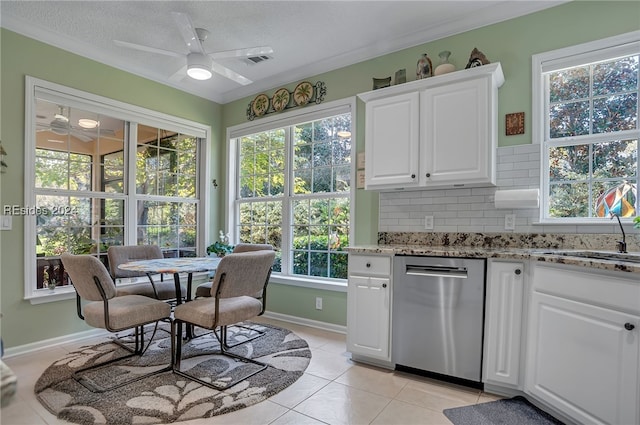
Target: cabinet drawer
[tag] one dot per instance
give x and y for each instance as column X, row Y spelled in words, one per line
column 370, row 265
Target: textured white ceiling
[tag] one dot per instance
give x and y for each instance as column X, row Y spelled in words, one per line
column 308, row 37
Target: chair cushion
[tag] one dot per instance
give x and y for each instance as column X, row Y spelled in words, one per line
column 201, row 312
column 126, row 312
column 82, row 270
column 8, row 384
column 123, row 254
column 204, row 290
column 166, row 290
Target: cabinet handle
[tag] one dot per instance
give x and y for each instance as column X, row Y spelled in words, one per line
column 384, row 285
column 629, row 326
column 428, row 174
column 413, row 176
column 518, row 271
column 368, row 264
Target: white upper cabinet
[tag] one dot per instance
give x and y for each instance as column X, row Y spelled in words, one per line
column 392, row 157
column 457, row 140
column 436, row 132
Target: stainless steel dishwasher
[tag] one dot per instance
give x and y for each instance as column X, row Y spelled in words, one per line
column 438, row 316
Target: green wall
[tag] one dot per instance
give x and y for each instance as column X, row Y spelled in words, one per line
column 512, row 43
column 22, row 322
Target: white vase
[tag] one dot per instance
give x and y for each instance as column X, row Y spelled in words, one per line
column 444, row 67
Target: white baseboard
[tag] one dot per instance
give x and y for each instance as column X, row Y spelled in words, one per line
column 306, row 322
column 52, row 342
column 92, row 333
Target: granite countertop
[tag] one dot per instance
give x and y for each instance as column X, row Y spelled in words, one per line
column 550, row 255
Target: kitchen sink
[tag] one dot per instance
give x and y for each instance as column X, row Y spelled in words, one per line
column 629, row 257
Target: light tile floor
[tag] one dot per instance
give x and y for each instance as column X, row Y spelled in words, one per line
column 333, row 390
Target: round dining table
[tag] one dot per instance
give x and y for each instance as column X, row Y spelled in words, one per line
column 175, row 266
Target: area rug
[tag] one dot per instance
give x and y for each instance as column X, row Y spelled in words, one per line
column 167, row 397
column 513, row 411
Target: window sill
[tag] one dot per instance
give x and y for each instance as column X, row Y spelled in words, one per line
column 326, row 285
column 48, row 296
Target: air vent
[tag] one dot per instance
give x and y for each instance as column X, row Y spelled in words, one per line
column 257, row 59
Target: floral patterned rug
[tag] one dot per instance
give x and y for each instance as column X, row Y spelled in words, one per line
column 167, row 397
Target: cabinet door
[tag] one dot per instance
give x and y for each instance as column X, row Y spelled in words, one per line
column 368, row 316
column 391, row 146
column 505, row 290
column 582, row 360
column 457, row 134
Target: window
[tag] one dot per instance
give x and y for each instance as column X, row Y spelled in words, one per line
column 103, row 173
column 588, row 114
column 293, row 191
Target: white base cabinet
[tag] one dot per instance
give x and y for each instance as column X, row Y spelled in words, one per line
column 504, row 323
column 583, row 345
column 369, row 306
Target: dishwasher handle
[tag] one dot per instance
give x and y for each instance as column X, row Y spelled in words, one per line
column 437, row 271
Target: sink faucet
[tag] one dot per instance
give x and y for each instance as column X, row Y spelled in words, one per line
column 621, row 245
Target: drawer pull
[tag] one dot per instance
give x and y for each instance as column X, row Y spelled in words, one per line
column 413, row 176
column 428, row 174
column 368, row 264
column 629, row 326
column 518, row 271
column 384, row 285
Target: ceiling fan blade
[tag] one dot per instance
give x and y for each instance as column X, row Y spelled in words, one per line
column 82, row 137
column 147, row 48
column 179, row 74
column 188, row 32
column 241, row 53
column 232, row 75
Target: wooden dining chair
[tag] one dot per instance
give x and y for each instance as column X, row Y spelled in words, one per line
column 238, row 278
column 155, row 288
column 104, row 308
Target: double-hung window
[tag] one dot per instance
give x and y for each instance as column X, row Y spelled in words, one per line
column 100, row 173
column 586, row 117
column 291, row 187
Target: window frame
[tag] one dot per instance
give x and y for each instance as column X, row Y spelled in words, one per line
column 594, row 51
column 290, row 118
column 41, row 89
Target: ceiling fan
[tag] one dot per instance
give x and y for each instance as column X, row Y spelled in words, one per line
column 200, row 63
column 61, row 126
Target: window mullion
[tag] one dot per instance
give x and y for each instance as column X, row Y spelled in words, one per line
column 287, row 205
column 131, row 203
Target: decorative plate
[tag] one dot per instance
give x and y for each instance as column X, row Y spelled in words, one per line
column 280, row 99
column 302, row 93
column 260, row 104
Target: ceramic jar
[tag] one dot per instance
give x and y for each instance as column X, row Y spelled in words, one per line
column 444, row 67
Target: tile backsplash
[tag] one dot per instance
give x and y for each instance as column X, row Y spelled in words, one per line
column 464, row 210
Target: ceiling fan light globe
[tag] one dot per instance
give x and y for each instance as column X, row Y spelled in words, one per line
column 199, row 66
column 198, row 73
column 88, row 123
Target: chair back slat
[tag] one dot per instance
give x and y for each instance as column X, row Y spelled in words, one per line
column 123, row 254
column 244, row 273
column 82, row 269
